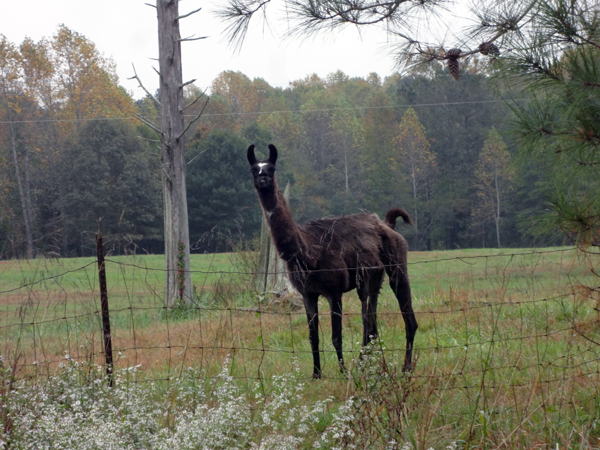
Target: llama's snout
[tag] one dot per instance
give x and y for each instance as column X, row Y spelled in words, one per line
column 262, row 181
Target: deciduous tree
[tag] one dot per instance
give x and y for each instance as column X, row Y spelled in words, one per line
column 243, row 96
column 419, row 164
column 347, row 140
column 18, row 109
column 493, row 177
column 379, row 126
column 86, row 82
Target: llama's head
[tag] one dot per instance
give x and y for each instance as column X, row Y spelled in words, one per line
column 263, row 172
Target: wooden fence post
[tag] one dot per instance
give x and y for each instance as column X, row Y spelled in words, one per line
column 108, row 354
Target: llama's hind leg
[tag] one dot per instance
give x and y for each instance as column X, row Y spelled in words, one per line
column 335, row 304
column 369, row 295
column 369, row 317
column 311, row 305
column 401, row 287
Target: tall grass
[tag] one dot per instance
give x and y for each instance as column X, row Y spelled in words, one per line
column 507, row 349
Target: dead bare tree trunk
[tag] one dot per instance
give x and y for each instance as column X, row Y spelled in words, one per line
column 178, row 281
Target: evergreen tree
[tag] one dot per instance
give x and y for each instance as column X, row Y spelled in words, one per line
column 221, row 197
column 559, row 127
column 115, row 191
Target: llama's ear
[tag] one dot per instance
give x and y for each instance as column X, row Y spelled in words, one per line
column 251, row 156
column 272, row 154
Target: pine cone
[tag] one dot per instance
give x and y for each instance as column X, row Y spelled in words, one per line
column 489, row 49
column 453, row 53
column 454, row 68
column 452, row 57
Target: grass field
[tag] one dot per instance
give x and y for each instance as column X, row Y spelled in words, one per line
column 507, row 349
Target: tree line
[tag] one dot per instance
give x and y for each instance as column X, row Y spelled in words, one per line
column 74, row 160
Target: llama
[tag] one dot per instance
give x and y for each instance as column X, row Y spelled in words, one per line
column 329, row 257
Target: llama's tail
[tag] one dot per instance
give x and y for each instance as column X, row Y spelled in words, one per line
column 393, row 214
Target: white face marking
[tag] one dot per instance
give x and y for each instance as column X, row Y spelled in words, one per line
column 262, row 167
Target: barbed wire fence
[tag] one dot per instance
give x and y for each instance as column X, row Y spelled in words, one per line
column 518, row 330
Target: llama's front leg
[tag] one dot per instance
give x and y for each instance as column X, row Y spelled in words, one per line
column 401, row 287
column 335, row 304
column 311, row 306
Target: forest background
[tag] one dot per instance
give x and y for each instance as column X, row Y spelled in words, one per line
column 75, row 159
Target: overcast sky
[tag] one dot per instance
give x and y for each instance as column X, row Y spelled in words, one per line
column 126, row 31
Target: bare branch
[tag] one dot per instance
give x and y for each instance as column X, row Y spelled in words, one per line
column 136, row 77
column 187, row 83
column 195, row 100
column 191, row 38
column 151, row 5
column 194, row 120
column 156, row 141
column 149, row 123
column 188, row 14
column 195, row 156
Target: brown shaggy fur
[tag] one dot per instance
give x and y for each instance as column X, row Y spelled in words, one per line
column 331, row 256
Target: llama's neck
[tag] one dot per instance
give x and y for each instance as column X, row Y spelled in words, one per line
column 284, row 230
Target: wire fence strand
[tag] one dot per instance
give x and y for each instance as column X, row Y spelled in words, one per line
column 518, row 324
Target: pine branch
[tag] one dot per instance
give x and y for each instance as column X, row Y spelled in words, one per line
column 239, row 13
